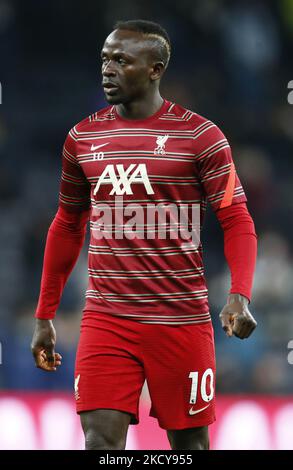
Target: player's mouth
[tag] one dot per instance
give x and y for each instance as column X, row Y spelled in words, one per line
column 110, row 87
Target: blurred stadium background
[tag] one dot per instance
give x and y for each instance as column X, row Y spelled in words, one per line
column 231, row 63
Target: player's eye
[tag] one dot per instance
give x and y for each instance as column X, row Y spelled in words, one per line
column 121, row 61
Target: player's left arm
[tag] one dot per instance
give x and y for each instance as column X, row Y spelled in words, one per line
column 224, row 191
column 240, row 248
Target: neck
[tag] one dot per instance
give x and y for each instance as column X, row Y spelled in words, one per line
column 141, row 108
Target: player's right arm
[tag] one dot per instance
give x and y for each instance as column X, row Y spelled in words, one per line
column 63, row 245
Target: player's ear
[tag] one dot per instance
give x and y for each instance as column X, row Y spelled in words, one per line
column 157, row 70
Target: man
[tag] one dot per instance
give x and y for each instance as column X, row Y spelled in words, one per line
column 146, row 314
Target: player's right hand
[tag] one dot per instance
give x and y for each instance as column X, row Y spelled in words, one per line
column 43, row 344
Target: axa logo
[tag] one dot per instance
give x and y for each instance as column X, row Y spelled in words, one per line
column 161, row 142
column 126, row 177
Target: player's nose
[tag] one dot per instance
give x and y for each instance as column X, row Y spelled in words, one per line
column 108, row 69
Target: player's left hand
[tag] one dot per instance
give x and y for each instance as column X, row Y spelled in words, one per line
column 235, row 317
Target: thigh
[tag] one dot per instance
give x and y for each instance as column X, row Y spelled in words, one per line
column 189, row 439
column 105, row 429
column 108, row 372
column 180, row 371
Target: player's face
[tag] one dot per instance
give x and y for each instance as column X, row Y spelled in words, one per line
column 127, row 67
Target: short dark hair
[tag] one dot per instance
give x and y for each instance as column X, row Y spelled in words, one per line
column 150, row 30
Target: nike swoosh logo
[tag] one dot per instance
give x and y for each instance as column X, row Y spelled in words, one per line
column 192, row 412
column 96, row 147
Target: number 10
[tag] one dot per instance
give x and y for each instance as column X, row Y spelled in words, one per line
column 203, row 387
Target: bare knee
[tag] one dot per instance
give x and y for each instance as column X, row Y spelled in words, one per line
column 97, row 440
column 105, row 429
column 189, row 439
